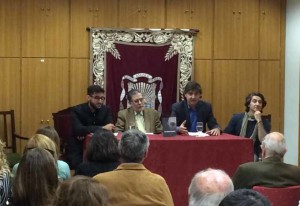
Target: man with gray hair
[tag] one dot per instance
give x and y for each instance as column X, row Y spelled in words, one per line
column 271, row 171
column 131, row 183
column 137, row 116
column 209, row 187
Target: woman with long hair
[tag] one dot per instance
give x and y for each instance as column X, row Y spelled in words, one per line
column 42, row 141
column 36, row 180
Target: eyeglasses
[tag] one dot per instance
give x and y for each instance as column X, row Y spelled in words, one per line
column 98, row 98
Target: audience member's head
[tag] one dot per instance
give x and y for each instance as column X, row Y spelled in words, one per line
column 245, row 197
column 133, row 146
column 208, row 187
column 3, row 162
column 80, row 190
column 273, row 145
column 36, row 180
column 249, row 98
column 136, row 100
column 103, row 147
column 41, row 141
column 52, row 134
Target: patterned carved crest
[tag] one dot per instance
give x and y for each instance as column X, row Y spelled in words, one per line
column 150, row 88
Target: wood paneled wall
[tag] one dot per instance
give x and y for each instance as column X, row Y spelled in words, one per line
column 44, row 52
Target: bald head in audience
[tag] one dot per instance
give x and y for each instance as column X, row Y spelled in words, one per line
column 273, row 146
column 272, row 171
column 208, row 187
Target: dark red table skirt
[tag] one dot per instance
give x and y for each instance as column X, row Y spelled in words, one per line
column 178, row 158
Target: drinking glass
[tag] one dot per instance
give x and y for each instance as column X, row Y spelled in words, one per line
column 199, row 126
column 131, row 125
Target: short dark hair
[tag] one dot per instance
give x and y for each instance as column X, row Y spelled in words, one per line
column 249, row 98
column 94, row 89
column 80, row 190
column 245, row 197
column 133, row 146
column 192, row 86
column 131, row 93
column 103, row 147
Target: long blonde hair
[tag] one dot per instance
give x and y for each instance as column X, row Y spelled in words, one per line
column 3, row 161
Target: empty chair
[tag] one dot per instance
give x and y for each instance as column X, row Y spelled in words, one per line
column 63, row 125
column 283, row 196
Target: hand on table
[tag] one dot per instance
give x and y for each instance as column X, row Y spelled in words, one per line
column 214, row 132
column 182, row 129
column 80, row 138
column 109, row 127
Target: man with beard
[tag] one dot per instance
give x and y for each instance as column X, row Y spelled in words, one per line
column 192, row 110
column 250, row 123
column 137, row 116
column 87, row 118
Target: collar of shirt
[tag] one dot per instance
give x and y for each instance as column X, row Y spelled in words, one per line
column 192, row 109
column 138, row 113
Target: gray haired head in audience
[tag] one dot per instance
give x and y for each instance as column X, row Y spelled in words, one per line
column 208, row 187
column 273, row 145
column 133, row 146
column 245, row 197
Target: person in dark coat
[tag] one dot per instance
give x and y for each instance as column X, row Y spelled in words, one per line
column 87, row 118
column 102, row 154
column 192, row 110
column 271, row 171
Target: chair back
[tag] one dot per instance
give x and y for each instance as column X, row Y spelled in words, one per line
column 284, row 196
column 267, row 116
column 149, row 86
column 63, row 125
column 7, row 129
column 9, row 136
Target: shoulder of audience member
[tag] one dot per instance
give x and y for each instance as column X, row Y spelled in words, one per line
column 63, row 164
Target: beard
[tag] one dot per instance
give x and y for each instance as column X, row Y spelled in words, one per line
column 95, row 106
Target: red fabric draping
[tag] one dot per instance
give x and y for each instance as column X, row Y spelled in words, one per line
column 178, row 158
column 143, row 58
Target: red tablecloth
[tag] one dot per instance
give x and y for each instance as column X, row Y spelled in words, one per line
column 178, row 158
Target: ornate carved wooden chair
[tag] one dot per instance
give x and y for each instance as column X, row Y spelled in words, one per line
column 150, row 88
column 9, row 136
column 63, row 125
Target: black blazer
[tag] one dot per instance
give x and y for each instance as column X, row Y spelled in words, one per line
column 84, row 121
column 180, row 110
column 271, row 172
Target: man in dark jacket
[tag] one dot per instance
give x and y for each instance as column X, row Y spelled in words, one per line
column 271, row 171
column 192, row 110
column 86, row 119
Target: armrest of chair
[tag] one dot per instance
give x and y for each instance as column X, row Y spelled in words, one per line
column 20, row 137
column 14, row 157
